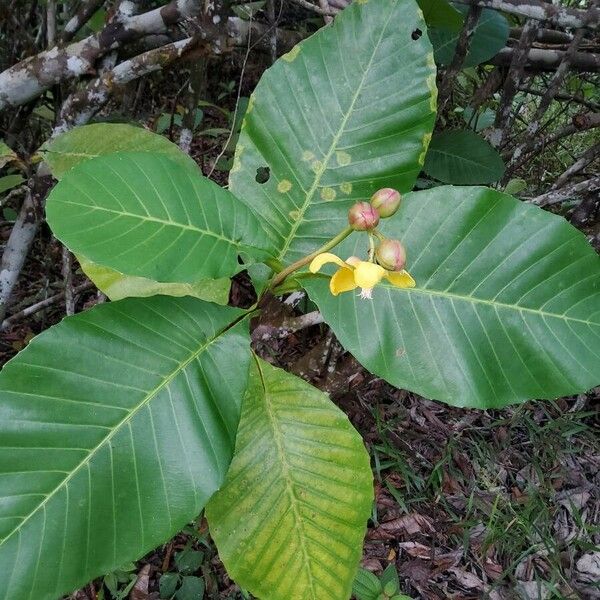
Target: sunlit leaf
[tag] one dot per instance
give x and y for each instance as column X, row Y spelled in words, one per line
column 90, row 141
column 118, row 286
column 347, row 111
column 290, row 519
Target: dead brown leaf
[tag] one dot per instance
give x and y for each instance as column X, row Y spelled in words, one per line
column 140, row 589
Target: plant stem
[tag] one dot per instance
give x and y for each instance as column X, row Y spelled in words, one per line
column 306, row 259
column 371, row 248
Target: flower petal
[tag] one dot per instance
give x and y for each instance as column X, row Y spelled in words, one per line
column 401, row 279
column 368, row 275
column 342, row 281
column 324, row 258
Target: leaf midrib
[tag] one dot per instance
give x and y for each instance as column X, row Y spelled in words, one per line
column 289, row 482
column 336, row 138
column 475, row 300
column 143, row 403
column 152, row 219
column 462, row 158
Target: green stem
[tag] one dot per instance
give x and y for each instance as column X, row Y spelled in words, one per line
column 371, row 248
column 276, row 281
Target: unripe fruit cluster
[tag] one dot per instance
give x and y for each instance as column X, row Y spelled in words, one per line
column 364, row 216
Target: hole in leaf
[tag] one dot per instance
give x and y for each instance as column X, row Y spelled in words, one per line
column 263, row 174
column 416, row 34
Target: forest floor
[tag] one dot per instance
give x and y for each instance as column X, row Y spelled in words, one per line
column 469, row 504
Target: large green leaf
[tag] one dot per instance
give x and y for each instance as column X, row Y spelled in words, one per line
column 491, row 35
column 118, row 286
column 144, row 214
column 116, row 426
column 463, row 157
column 347, row 111
column 90, row 141
column 290, row 519
column 506, row 305
column 440, row 13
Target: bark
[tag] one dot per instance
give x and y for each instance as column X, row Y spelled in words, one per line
column 581, row 122
column 544, row 36
column 83, row 105
column 462, row 48
column 324, row 4
column 50, row 23
column 511, row 84
column 588, row 186
column 586, row 159
column 552, row 89
column 237, row 31
column 539, row 59
column 67, row 273
column 543, row 11
column 20, row 239
column 30, row 78
column 273, row 32
column 313, row 7
column 195, row 90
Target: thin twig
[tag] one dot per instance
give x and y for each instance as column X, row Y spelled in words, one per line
column 542, row 11
column 562, row 97
column 511, row 84
column 34, row 308
column 67, row 273
column 249, row 47
column 545, row 101
column 462, row 48
column 579, row 123
column 309, row 6
column 586, row 158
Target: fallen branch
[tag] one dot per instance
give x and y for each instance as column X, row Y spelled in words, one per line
column 545, row 36
column 555, row 196
column 33, row 76
column 313, row 7
column 542, row 11
column 586, row 158
column 34, row 308
column 20, row 239
column 83, row 105
column 548, row 60
column 266, row 331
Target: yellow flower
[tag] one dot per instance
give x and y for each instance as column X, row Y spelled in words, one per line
column 355, row 273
